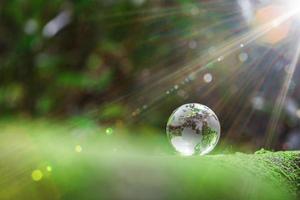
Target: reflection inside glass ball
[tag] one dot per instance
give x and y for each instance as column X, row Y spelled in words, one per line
column 193, row 129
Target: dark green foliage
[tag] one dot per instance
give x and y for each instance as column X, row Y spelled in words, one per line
column 103, row 53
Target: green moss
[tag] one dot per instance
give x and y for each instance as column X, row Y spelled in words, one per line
column 118, row 167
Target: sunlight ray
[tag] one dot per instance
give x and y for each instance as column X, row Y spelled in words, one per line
column 271, row 136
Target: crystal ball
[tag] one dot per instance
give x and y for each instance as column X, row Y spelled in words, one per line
column 193, row 129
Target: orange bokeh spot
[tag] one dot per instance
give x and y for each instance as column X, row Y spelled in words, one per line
column 270, row 15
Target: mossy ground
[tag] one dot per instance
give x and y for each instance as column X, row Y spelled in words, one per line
column 47, row 160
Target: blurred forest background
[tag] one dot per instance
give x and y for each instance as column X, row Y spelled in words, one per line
column 118, row 63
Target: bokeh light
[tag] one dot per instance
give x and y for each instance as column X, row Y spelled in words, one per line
column 78, row 148
column 273, row 15
column 37, row 175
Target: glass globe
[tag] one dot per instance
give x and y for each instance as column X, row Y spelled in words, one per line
column 193, row 129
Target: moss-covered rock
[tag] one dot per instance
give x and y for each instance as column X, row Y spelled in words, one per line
column 40, row 161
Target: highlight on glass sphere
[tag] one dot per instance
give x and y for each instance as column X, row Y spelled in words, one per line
column 193, row 129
